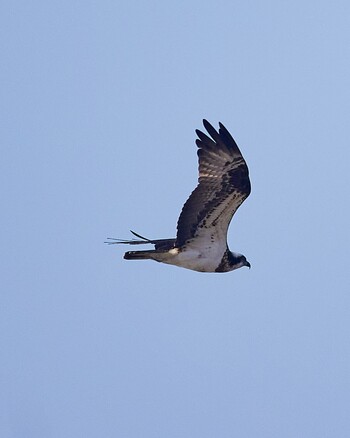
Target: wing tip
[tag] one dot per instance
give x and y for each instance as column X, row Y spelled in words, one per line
column 221, row 137
column 207, row 125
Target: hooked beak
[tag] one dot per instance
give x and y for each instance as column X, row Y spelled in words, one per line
column 247, row 264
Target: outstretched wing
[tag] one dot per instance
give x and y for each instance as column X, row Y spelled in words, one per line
column 223, row 186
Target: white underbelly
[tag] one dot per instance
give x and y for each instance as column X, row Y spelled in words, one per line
column 202, row 261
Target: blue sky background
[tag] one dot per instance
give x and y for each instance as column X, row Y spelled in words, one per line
column 99, row 104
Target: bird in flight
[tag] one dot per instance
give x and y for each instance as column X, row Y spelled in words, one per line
column 201, row 240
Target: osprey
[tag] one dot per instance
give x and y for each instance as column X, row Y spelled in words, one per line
column 201, row 240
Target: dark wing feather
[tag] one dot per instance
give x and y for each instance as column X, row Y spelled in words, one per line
column 223, row 186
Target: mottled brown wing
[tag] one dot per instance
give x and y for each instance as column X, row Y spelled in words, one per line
column 223, row 186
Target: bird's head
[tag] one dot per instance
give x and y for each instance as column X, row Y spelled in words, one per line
column 237, row 260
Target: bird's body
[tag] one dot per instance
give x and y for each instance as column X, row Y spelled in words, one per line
column 191, row 256
column 201, row 241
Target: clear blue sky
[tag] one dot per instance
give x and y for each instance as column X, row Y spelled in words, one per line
column 99, row 105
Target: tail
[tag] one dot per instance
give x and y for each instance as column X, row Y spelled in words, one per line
column 139, row 255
